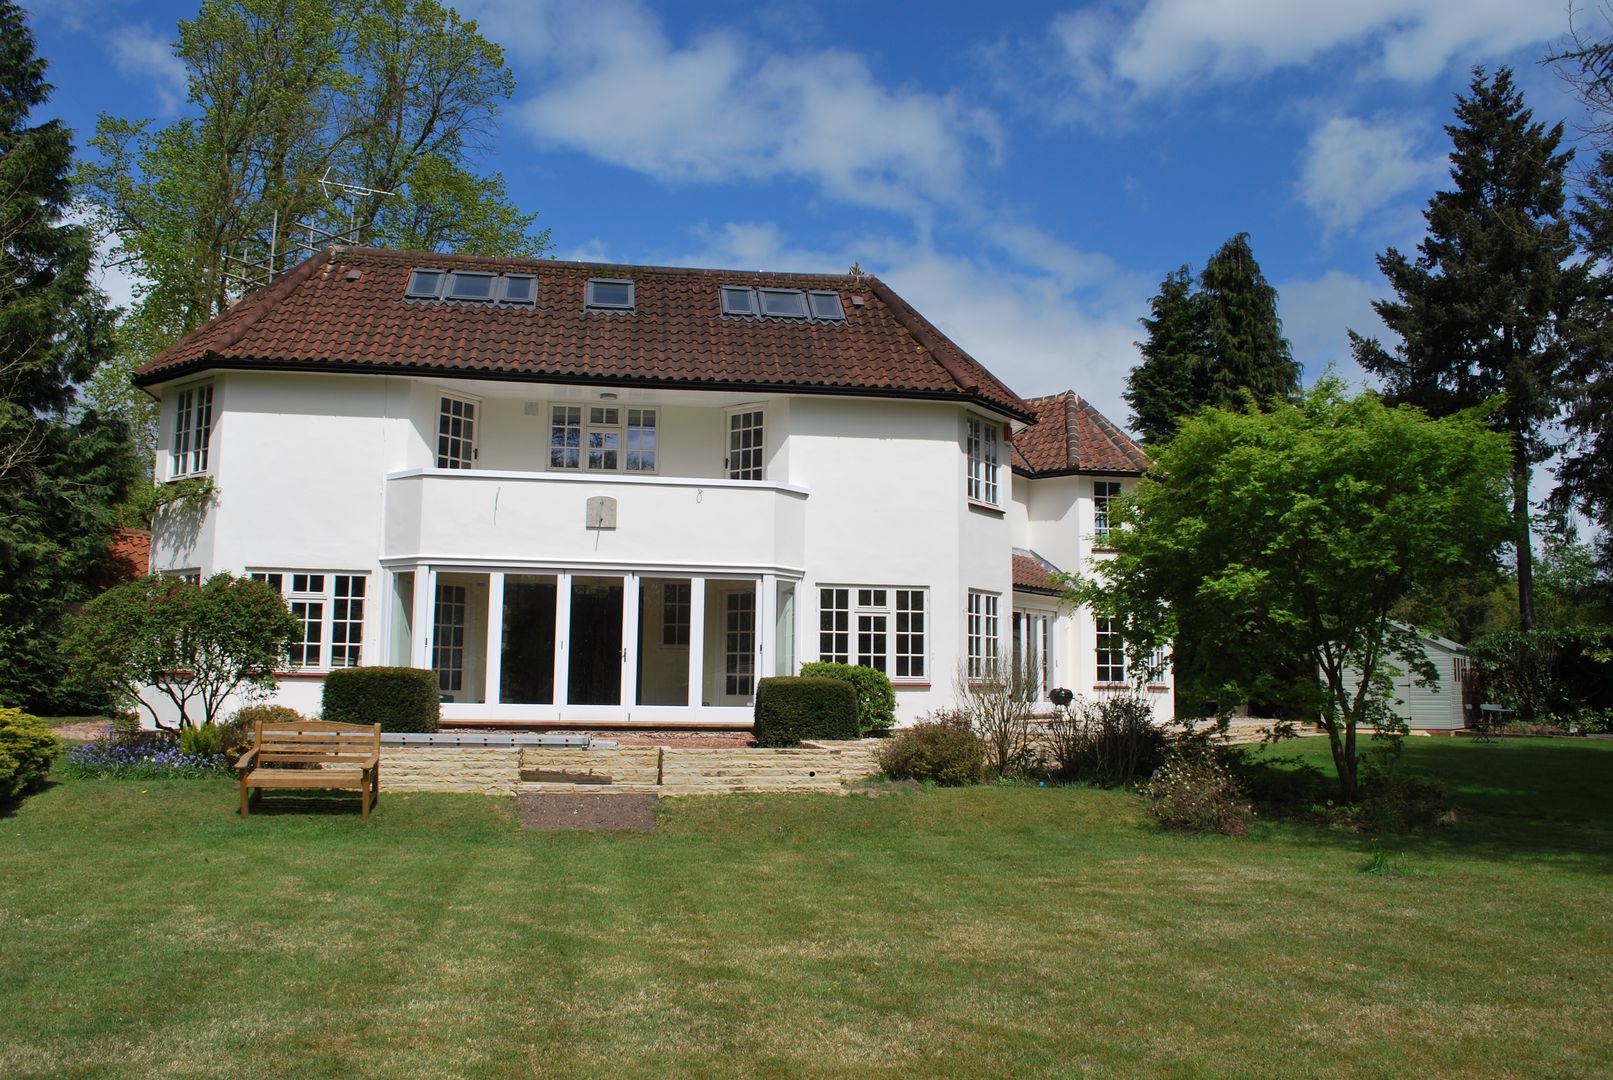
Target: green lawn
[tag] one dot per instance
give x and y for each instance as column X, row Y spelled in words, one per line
column 146, row 931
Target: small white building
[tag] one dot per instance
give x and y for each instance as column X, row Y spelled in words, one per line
column 1436, row 706
column 617, row 495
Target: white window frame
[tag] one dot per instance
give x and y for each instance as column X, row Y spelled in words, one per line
column 190, row 452
column 982, row 447
column 304, row 589
column 1104, row 492
column 471, row 445
column 739, row 471
column 623, row 429
column 1033, row 631
column 982, row 633
column 1108, row 653
column 872, row 622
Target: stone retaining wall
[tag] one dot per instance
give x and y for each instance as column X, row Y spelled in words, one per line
column 483, row 771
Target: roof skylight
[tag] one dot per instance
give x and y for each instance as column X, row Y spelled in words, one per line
column 819, row 305
column 472, row 285
column 465, row 285
column 826, row 306
column 739, row 300
column 423, row 284
column 783, row 303
column 610, row 294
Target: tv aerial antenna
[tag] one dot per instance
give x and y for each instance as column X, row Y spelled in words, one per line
column 257, row 261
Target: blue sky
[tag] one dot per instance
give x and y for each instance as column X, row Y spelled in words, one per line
column 1025, row 174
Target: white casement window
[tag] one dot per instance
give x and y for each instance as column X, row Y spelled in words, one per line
column 1033, row 648
column 448, row 638
column 330, row 610
column 739, row 645
column 745, row 445
column 881, row 628
column 189, row 577
column 603, row 438
column 981, row 633
column 193, row 430
column 981, row 444
column 675, row 608
column 1111, row 650
column 1103, row 493
column 456, row 434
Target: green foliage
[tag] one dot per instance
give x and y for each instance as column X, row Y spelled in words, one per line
column 1299, row 531
column 1585, row 476
column 397, row 698
column 1547, row 675
column 236, row 733
column 1485, row 311
column 1195, row 792
column 1222, row 345
column 790, row 708
column 62, row 468
column 193, row 645
column 945, row 753
column 205, row 740
column 396, row 95
column 876, row 698
column 27, row 750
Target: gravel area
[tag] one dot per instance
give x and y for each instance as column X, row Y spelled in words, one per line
column 622, row 810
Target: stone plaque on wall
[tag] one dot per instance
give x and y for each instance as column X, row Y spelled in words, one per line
column 601, row 512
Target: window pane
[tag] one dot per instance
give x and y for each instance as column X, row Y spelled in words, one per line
column 466, row 286
column 610, row 294
column 737, row 300
column 826, row 306
column 786, row 303
column 745, row 446
column 519, row 290
column 456, row 434
column 423, row 284
column 834, row 625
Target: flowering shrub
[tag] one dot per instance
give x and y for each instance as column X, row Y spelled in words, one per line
column 947, row 753
column 27, row 748
column 1194, row 791
column 140, row 759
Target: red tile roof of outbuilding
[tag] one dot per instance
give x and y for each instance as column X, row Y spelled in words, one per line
column 345, row 310
column 1071, row 436
column 1032, row 573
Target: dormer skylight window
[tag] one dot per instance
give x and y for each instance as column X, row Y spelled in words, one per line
column 519, row 289
column 465, row 285
column 826, row 306
column 424, row 284
column 739, row 300
column 607, row 294
column 783, row 303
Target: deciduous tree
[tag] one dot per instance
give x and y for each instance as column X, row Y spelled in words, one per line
column 1302, row 528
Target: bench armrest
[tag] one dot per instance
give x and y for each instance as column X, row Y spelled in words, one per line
column 245, row 761
column 372, row 761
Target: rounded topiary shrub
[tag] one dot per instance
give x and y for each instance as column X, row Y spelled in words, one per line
column 236, row 733
column 942, row 753
column 876, row 698
column 27, row 750
column 397, row 698
column 790, row 708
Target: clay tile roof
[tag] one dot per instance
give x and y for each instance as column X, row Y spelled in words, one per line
column 344, row 310
column 1071, row 436
column 1032, row 573
column 128, row 556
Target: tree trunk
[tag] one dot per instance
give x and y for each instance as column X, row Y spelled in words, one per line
column 1521, row 539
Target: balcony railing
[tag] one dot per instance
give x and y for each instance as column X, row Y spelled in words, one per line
column 447, row 515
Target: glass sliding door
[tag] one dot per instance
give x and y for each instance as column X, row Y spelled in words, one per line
column 402, row 617
column 664, row 609
column 526, row 670
column 594, row 650
column 731, row 642
column 459, row 637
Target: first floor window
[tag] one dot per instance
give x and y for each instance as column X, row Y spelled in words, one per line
column 981, row 634
column 1104, row 492
column 456, row 434
column 193, row 430
column 329, row 609
column 602, row 438
column 890, row 629
column 745, row 445
column 981, row 448
column 1111, row 652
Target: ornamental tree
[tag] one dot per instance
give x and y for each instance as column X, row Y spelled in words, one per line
column 158, row 639
column 1301, row 529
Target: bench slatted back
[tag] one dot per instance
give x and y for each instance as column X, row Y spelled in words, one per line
column 316, row 741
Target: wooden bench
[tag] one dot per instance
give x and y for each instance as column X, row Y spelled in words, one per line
column 313, row 754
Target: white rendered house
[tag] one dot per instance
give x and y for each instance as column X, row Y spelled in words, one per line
column 615, row 495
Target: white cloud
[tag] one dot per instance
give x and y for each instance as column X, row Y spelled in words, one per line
column 1317, row 313
column 724, row 108
column 1351, row 168
column 1179, row 46
column 142, row 52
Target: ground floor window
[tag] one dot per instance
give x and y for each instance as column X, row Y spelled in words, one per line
column 1111, row 651
column 329, row 609
column 890, row 629
column 1033, row 648
column 981, row 633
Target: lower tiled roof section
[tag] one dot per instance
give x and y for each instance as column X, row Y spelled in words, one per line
column 345, row 309
column 1034, row 574
column 1071, row 436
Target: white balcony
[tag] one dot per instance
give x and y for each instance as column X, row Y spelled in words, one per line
column 474, row 516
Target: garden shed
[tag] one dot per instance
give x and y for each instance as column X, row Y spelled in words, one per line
column 1437, row 706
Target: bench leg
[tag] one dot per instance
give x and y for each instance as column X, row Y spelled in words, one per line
column 363, row 798
column 243, row 797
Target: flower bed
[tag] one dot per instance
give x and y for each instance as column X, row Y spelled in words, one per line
column 140, row 759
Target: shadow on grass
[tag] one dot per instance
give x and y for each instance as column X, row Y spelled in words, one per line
column 1516, row 799
column 279, row 803
column 9, row 807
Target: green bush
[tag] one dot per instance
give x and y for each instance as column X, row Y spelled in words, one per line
column 397, row 698
column 1195, row 791
column 944, row 753
column 203, row 741
column 876, row 698
column 27, row 751
column 790, row 708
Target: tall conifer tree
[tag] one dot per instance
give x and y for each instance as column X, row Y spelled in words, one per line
column 1164, row 387
column 61, row 469
column 1486, row 307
